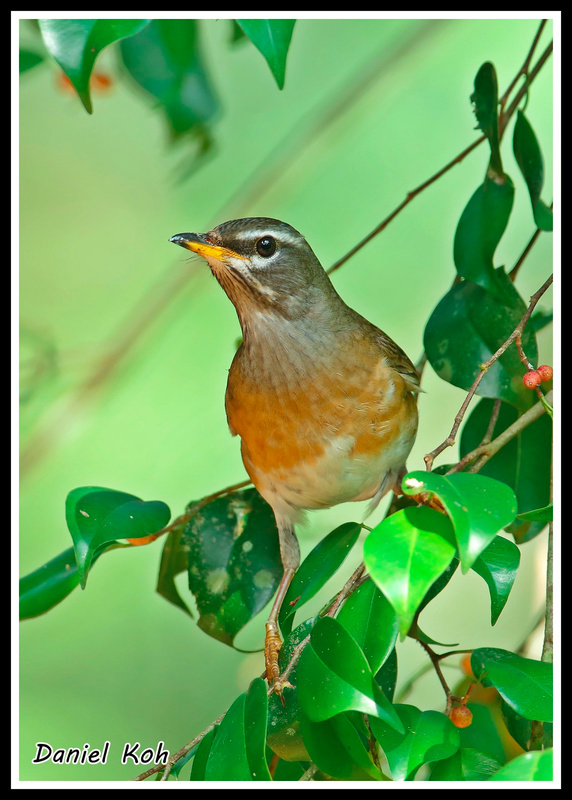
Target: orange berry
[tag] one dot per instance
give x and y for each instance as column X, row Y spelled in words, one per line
column 545, row 372
column 531, row 379
column 461, row 717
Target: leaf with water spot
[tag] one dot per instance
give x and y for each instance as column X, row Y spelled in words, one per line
column 233, row 560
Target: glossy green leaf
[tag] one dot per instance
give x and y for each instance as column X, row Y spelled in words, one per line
column 428, row 736
column 336, row 748
column 76, row 43
column 227, row 759
column 478, row 506
column 466, row 765
column 543, row 515
column 201, row 758
column 485, row 106
column 386, row 676
column 97, row 517
column 284, row 736
column 479, row 231
column 498, row 565
column 529, row 158
column 466, row 328
column 289, row 770
column 29, row 59
column 442, row 581
column 524, row 683
column 520, row 728
column 369, row 617
column 483, row 732
column 316, row 569
column 536, row 766
column 174, row 561
column 48, row 585
column 405, row 554
column 238, row 750
column 334, row 676
column 272, row 37
column 523, row 463
column 165, row 60
column 234, row 561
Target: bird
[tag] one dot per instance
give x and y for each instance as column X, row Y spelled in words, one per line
column 324, row 402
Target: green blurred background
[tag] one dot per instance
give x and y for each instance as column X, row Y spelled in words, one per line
column 126, row 343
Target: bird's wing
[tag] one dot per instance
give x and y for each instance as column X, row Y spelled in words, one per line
column 399, row 361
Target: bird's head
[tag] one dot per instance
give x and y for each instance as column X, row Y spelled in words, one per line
column 263, row 265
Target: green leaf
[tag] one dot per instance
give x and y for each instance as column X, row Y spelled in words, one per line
column 165, row 60
column 334, row 676
column 370, row 619
column 520, row 728
column 405, row 554
column 479, row 231
column 97, row 517
column 428, row 736
column 483, row 732
column 29, row 59
column 272, row 37
column 536, row 766
column 498, row 565
column 543, row 515
column 76, row 43
column 198, row 770
column 336, row 748
column 284, row 736
column 316, row 569
column 238, row 750
column 174, row 560
column 386, row 676
column 485, row 102
column 479, row 507
column 524, row 683
column 437, row 587
column 524, row 463
column 466, row 328
column 529, row 157
column 48, row 585
column 466, row 765
column 234, row 561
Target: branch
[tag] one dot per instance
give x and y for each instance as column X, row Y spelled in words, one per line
column 450, row 440
column 484, row 452
column 504, row 118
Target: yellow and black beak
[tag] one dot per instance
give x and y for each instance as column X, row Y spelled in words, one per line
column 199, row 243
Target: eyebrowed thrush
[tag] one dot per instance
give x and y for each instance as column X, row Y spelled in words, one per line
column 323, row 401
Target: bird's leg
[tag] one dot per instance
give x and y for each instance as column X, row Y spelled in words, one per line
column 290, row 555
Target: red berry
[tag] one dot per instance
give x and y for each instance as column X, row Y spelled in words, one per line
column 461, row 717
column 532, row 379
column 545, row 373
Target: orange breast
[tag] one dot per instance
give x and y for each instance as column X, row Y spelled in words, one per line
column 285, row 424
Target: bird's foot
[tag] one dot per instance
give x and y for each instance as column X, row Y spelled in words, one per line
column 272, row 647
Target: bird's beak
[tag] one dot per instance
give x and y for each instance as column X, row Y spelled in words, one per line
column 199, row 243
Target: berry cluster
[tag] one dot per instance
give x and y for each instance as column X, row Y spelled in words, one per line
column 534, row 377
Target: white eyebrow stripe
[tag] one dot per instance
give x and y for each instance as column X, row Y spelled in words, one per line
column 283, row 236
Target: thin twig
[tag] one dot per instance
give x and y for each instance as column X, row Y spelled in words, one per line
column 484, row 453
column 484, row 368
column 178, row 755
column 504, row 118
column 309, row 774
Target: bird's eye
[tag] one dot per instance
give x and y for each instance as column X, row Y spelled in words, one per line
column 266, row 246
